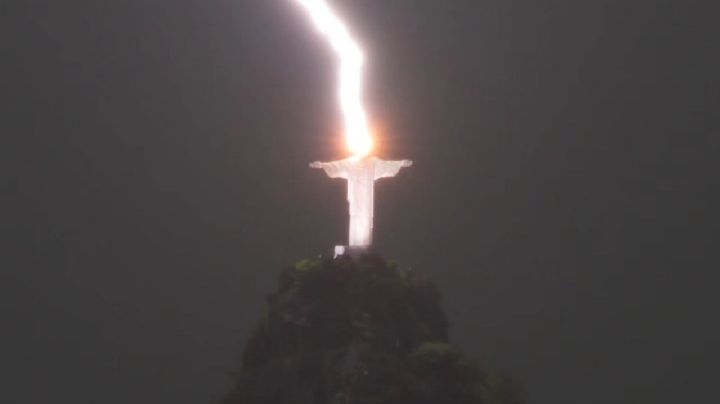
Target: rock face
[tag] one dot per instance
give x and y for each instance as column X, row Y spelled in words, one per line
column 357, row 331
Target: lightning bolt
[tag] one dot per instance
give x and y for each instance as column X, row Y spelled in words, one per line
column 351, row 61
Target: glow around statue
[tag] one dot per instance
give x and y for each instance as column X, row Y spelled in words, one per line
column 361, row 174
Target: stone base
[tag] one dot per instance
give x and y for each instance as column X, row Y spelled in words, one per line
column 353, row 251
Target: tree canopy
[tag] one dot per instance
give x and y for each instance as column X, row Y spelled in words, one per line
column 359, row 331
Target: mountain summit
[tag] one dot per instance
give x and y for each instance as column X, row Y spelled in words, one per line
column 359, row 331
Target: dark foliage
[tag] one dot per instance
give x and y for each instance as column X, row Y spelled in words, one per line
column 346, row 331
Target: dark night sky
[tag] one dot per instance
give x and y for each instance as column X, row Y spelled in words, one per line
column 155, row 182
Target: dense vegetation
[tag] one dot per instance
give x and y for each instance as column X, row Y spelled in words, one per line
column 359, row 331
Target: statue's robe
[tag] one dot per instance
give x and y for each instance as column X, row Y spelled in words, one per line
column 361, row 175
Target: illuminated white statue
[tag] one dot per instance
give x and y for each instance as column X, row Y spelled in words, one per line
column 361, row 174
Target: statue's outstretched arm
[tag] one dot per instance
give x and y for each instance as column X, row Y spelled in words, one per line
column 333, row 169
column 387, row 169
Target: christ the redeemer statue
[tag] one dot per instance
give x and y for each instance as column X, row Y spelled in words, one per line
column 361, row 174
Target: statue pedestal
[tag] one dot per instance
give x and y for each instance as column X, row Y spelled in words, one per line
column 353, row 251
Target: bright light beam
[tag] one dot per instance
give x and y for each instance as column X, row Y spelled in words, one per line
column 351, row 58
